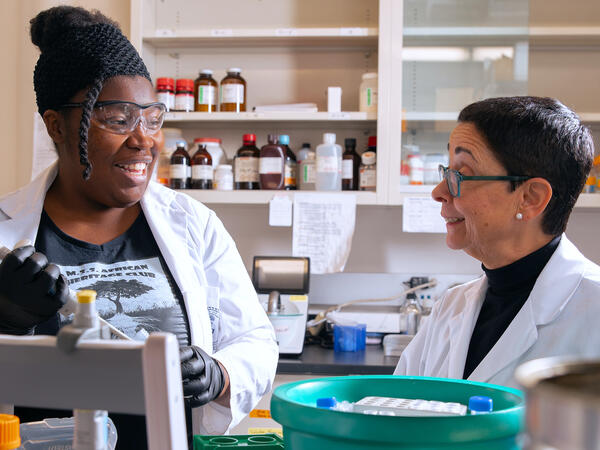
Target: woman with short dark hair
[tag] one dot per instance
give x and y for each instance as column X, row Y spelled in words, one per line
column 517, row 166
column 159, row 260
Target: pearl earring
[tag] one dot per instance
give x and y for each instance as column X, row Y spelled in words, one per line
column 519, row 216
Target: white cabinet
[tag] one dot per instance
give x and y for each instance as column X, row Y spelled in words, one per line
column 433, row 57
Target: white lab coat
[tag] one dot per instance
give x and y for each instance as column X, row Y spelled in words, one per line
column 560, row 317
column 209, row 271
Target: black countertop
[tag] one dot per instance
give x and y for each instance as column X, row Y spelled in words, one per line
column 320, row 361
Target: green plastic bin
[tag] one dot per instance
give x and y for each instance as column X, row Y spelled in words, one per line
column 267, row 441
column 305, row 426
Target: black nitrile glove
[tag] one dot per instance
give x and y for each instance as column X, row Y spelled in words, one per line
column 31, row 291
column 203, row 378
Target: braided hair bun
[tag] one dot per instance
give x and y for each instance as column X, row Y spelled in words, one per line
column 79, row 50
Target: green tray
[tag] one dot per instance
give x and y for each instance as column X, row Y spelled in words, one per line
column 255, row 441
column 307, row 427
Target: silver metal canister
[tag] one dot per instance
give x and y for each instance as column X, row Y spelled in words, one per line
column 563, row 402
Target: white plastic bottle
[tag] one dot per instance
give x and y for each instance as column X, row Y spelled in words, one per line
column 368, row 93
column 329, row 164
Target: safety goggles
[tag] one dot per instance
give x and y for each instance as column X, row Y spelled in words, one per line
column 121, row 117
column 454, row 178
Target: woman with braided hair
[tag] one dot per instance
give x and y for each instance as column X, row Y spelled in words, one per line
column 159, row 260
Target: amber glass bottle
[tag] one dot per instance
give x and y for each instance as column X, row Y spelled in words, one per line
column 202, row 169
column 350, row 165
column 272, row 165
column 246, row 164
column 233, row 92
column 179, row 170
column 205, row 92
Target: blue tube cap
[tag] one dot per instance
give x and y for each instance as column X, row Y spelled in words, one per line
column 481, row 404
column 326, row 402
column 284, row 139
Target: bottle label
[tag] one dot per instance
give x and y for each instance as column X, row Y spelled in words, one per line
column 223, row 180
column 308, row 174
column 327, row 164
column 202, row 172
column 246, row 169
column 347, row 169
column 184, row 102
column 269, row 165
column 178, row 171
column 232, row 93
column 371, row 97
column 290, row 174
column 206, row 95
column 368, row 178
column 168, row 98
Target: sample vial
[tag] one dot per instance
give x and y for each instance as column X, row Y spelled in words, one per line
column 350, row 165
column 205, row 92
column 223, row 178
column 202, row 169
column 180, row 170
column 291, row 165
column 368, row 172
column 233, row 91
column 165, row 91
column 245, row 164
column 184, row 95
column 329, row 164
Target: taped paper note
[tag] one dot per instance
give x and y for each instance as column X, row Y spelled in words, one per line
column 323, row 230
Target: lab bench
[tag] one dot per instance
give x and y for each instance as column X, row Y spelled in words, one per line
column 316, row 362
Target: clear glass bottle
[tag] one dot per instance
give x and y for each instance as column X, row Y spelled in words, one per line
column 233, row 92
column 329, row 164
column 202, row 169
column 307, row 172
column 410, row 314
column 180, row 170
column 368, row 172
column 350, row 165
column 205, row 92
column 245, row 164
column 291, row 165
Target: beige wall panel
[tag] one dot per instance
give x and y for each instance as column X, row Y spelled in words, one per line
column 561, row 13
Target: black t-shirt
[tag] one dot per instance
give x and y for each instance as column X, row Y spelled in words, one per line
column 508, row 289
column 135, row 293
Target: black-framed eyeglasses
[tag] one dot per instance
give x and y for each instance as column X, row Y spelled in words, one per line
column 454, row 178
column 121, row 117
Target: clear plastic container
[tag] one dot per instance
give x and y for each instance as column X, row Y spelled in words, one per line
column 329, row 164
column 57, row 434
column 368, row 93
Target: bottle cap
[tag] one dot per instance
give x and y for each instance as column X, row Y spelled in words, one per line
column 306, row 145
column 272, row 138
column 184, row 84
column 86, row 296
column 207, row 139
column 349, row 142
column 284, row 139
column 369, row 75
column 165, row 83
column 329, row 138
column 234, row 70
column 372, row 142
column 480, row 403
column 326, row 402
column 10, row 436
column 206, row 72
column 180, row 143
column 249, row 138
column 368, row 158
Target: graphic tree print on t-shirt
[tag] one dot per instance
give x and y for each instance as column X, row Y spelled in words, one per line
column 118, row 289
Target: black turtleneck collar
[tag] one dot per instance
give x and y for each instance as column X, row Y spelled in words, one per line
column 508, row 290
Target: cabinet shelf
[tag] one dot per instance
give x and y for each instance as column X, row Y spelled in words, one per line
column 564, row 36
column 270, row 37
column 174, row 117
column 264, row 196
column 464, row 36
column 588, row 117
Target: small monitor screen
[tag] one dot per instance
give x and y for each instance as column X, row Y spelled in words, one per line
column 286, row 275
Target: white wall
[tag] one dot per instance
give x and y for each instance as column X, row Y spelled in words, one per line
column 378, row 245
